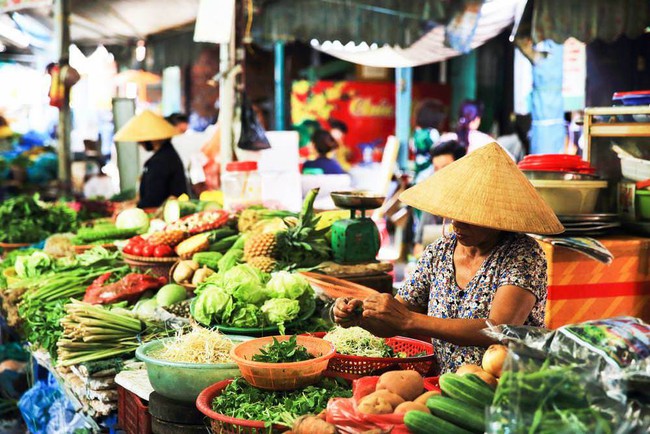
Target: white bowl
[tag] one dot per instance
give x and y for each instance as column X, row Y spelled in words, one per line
column 569, row 197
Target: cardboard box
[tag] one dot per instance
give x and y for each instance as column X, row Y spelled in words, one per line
column 581, row 289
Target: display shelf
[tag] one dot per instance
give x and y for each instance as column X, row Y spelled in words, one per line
column 631, row 129
column 45, row 361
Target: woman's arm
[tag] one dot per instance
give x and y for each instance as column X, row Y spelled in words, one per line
column 389, row 316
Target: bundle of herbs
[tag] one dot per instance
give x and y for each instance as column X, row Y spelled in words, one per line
column 243, row 401
column 288, row 351
column 23, row 219
column 92, row 332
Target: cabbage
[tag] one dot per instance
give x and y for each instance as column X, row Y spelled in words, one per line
column 287, row 285
column 280, row 310
column 132, row 218
column 246, row 316
column 212, row 305
column 32, row 265
column 246, row 284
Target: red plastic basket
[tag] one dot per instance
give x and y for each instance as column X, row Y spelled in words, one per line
column 353, row 367
column 223, row 424
column 132, row 414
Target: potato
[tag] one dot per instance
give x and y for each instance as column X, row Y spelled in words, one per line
column 468, row 369
column 393, row 399
column 374, row 405
column 407, row 384
column 411, row 405
column 312, row 425
column 422, row 399
column 490, row 379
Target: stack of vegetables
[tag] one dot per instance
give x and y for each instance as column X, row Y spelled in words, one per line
column 245, row 297
column 24, row 219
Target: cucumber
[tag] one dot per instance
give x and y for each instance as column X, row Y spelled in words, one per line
column 208, row 259
column 458, row 412
column 418, row 422
column 466, row 390
column 222, row 233
column 224, row 244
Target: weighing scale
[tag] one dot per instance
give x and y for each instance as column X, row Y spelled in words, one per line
column 356, row 239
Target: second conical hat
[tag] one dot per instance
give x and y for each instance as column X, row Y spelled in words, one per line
column 485, row 188
column 145, row 127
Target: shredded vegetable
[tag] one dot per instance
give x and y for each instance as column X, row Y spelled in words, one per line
column 355, row 341
column 201, row 345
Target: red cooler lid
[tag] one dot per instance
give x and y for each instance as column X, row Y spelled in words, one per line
column 241, row 166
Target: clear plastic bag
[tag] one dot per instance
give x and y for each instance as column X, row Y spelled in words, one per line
column 586, row 378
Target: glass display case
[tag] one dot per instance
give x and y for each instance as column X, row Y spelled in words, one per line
column 617, row 141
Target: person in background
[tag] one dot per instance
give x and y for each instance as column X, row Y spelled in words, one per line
column 180, row 120
column 324, row 144
column 442, row 155
column 513, row 139
column 338, row 130
column 97, row 183
column 163, row 175
column 467, row 133
column 429, row 118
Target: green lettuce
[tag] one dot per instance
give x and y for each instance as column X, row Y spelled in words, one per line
column 280, row 310
column 284, row 284
column 213, row 305
column 246, row 316
column 246, row 284
column 33, row 265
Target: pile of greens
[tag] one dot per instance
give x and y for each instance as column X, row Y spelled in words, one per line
column 25, row 220
column 356, row 341
column 243, row 401
column 248, row 298
column 283, row 352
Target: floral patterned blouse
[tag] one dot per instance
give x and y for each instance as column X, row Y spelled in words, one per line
column 517, row 260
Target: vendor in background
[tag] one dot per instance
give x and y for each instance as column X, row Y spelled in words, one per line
column 429, row 119
column 97, row 183
column 486, row 269
column 324, row 144
column 338, row 130
column 163, row 175
column 467, row 133
column 180, row 120
column 442, row 155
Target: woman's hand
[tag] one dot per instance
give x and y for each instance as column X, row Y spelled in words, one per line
column 392, row 314
column 346, row 311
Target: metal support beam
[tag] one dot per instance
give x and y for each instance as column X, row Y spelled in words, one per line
column 62, row 23
column 279, row 86
column 403, row 97
column 227, row 97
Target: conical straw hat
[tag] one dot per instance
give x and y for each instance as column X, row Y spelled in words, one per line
column 485, row 188
column 144, row 127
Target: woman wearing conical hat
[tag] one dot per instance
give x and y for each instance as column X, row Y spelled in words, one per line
column 486, row 269
column 163, row 175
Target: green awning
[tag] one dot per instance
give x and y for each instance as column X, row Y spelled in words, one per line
column 585, row 20
column 393, row 22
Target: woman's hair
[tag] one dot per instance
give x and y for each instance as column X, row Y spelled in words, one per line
column 451, row 147
column 469, row 110
column 323, row 142
column 430, row 114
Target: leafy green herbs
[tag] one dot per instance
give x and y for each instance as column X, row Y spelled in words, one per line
column 241, row 400
column 24, row 220
column 283, row 352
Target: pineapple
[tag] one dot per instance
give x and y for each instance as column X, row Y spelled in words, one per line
column 263, row 263
column 298, row 244
column 260, row 245
column 247, row 219
column 167, row 238
column 194, row 244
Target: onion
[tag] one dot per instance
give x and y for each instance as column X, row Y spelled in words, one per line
column 493, row 359
column 487, row 377
column 468, row 369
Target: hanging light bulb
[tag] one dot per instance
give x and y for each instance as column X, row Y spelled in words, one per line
column 140, row 51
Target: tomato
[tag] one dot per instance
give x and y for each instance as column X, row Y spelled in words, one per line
column 148, row 250
column 162, row 251
column 128, row 249
column 137, row 240
column 137, row 250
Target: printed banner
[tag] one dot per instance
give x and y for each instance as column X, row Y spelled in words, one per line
column 366, row 108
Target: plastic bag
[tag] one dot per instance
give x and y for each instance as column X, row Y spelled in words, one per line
column 253, row 137
column 34, row 405
column 578, row 379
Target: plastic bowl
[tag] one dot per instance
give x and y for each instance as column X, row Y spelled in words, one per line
column 184, row 381
column 570, row 197
column 283, row 376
